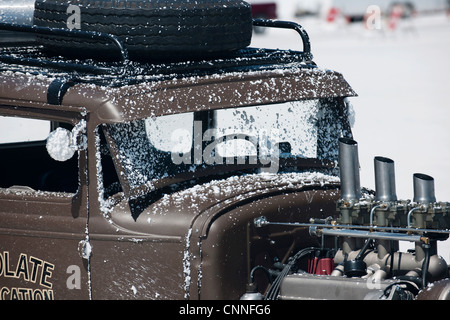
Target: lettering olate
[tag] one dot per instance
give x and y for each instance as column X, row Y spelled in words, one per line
column 29, row 269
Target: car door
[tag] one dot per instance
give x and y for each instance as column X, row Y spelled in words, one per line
column 43, row 211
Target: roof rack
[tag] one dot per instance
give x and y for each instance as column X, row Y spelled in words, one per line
column 126, row 71
column 80, row 34
column 288, row 25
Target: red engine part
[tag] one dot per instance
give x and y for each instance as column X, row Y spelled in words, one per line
column 320, row 266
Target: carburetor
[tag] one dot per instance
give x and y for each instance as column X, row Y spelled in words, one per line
column 383, row 210
column 367, row 229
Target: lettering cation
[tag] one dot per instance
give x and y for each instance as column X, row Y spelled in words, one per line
column 30, row 269
column 25, row 294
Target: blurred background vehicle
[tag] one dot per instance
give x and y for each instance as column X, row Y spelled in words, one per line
column 263, row 9
column 355, row 10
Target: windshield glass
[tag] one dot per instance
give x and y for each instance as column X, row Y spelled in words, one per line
column 262, row 136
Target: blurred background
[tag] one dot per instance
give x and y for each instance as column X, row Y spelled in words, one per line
column 397, row 58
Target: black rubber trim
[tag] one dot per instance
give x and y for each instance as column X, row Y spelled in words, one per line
column 57, row 89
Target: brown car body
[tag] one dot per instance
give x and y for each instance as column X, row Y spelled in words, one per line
column 205, row 226
column 188, row 235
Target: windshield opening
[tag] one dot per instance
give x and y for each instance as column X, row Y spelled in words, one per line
column 259, row 136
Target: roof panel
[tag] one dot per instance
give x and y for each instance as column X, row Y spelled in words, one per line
column 209, row 92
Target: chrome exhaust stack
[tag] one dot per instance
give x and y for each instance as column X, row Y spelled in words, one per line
column 349, row 170
column 423, row 188
column 350, row 179
column 384, row 180
column 424, row 202
column 385, row 207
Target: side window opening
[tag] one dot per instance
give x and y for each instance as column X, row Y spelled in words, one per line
column 24, row 161
column 19, row 130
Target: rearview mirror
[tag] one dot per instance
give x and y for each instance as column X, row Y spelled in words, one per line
column 62, row 143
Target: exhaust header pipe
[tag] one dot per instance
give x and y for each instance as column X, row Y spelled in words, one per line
column 349, row 169
column 384, row 180
column 423, row 188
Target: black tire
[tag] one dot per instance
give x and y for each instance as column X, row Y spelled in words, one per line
column 150, row 29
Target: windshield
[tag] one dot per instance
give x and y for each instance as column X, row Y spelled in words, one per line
column 260, row 136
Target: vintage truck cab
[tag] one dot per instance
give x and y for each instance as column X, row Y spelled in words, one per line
column 230, row 176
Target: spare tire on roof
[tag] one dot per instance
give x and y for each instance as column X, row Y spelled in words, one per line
column 149, row 29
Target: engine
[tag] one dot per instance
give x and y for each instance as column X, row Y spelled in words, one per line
column 359, row 256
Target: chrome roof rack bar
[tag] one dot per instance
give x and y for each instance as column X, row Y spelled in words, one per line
column 288, row 25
